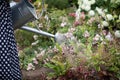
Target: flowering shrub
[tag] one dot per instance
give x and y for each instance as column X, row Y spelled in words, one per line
column 92, row 50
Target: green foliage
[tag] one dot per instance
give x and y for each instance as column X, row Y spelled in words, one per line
column 24, row 38
column 26, row 57
column 44, row 42
column 101, row 57
column 79, row 33
column 115, row 3
column 60, row 4
column 55, row 20
column 58, row 68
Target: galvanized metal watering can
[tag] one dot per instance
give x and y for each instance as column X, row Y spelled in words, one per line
column 24, row 12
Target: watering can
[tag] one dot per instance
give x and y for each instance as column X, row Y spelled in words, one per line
column 24, row 12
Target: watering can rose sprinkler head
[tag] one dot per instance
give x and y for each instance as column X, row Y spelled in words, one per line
column 60, row 38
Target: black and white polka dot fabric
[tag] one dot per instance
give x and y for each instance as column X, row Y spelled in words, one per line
column 9, row 61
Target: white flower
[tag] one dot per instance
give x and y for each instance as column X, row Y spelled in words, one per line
column 97, row 37
column 91, row 13
column 92, row 1
column 109, row 17
column 79, row 2
column 117, row 33
column 105, row 10
column 83, row 6
column 105, row 23
column 71, row 30
column 78, row 14
column 35, row 43
column 30, row 66
column 100, row 26
column 86, row 34
column 100, row 12
column 87, row 8
column 40, row 55
column 109, row 37
column 86, row 2
column 46, row 17
column 35, row 37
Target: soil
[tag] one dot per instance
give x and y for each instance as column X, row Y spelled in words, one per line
column 37, row 74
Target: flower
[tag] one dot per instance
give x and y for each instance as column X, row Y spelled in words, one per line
column 109, row 37
column 105, row 10
column 63, row 24
column 35, row 43
column 92, row 1
column 46, row 17
column 77, row 14
column 117, row 33
column 86, row 34
column 35, row 37
column 109, row 17
column 87, row 8
column 91, row 20
column 83, row 6
column 91, row 13
column 35, row 61
column 40, row 56
column 72, row 14
column 104, row 32
column 97, row 37
column 71, row 30
column 69, row 35
column 76, row 23
column 86, row 2
column 82, row 15
column 100, row 12
column 105, row 23
column 30, row 66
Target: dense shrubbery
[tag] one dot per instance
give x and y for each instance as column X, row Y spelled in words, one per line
column 60, row 4
column 92, row 50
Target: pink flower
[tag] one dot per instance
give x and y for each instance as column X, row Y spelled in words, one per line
column 72, row 14
column 82, row 16
column 69, row 35
column 63, row 24
column 35, row 61
column 71, row 30
column 104, row 32
column 91, row 20
column 76, row 23
column 86, row 34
